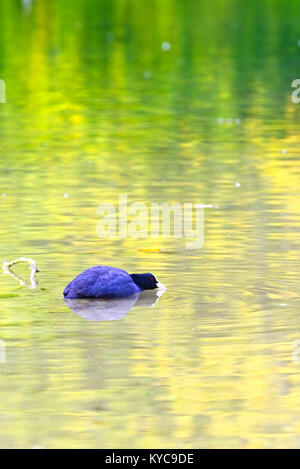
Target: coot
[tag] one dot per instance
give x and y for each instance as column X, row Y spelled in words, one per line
column 109, row 282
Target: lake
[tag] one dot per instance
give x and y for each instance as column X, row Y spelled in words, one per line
column 164, row 102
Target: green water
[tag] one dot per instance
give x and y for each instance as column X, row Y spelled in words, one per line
column 96, row 108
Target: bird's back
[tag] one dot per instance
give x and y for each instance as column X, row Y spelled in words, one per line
column 101, row 282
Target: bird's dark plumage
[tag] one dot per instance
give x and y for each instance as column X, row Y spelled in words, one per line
column 108, row 282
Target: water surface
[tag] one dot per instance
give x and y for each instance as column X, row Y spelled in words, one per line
column 96, row 108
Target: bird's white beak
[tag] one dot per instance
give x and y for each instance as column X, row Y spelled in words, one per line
column 160, row 289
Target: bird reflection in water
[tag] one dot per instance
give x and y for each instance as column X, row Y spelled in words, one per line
column 114, row 309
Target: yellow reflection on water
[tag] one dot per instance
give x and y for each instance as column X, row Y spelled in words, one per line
column 214, row 363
